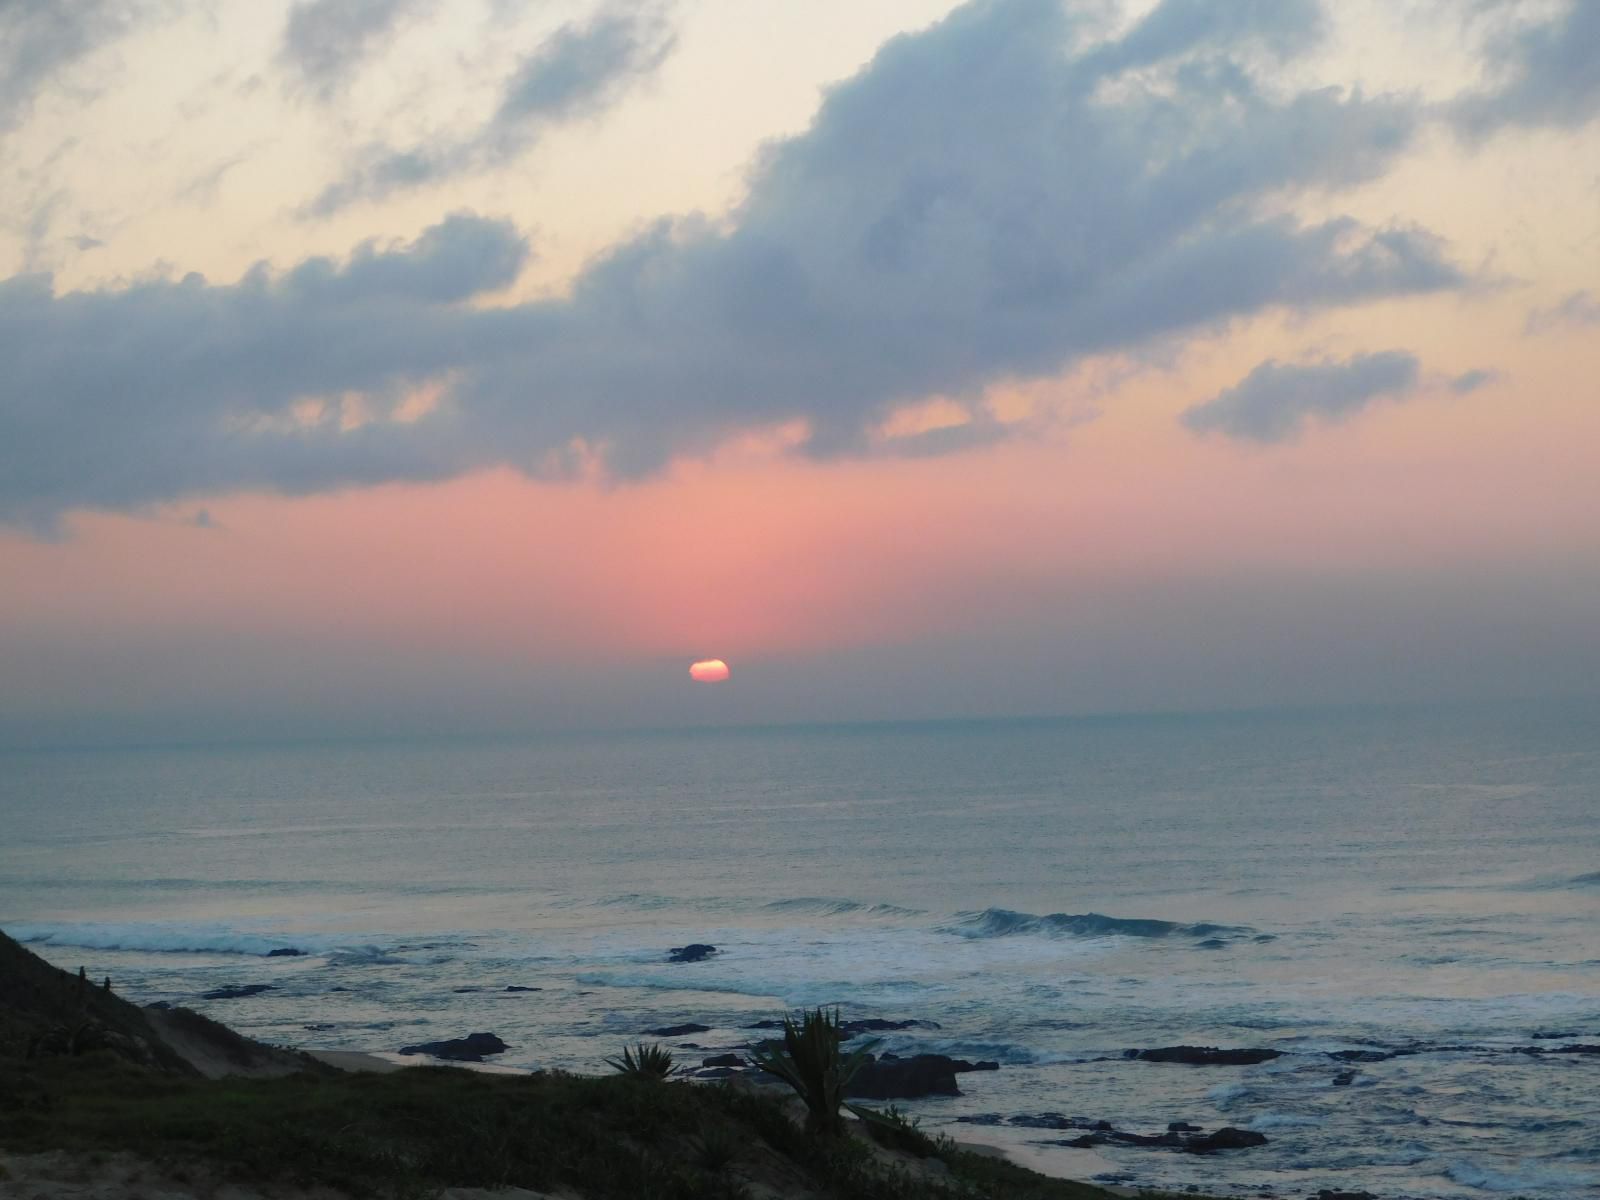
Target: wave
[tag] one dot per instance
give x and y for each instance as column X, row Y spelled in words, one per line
column 825, row 906
column 1003, row 922
column 161, row 938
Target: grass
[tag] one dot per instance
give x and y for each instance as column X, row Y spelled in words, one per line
column 414, row 1132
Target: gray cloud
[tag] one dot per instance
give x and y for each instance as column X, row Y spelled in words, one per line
column 973, row 207
column 324, row 41
column 579, row 71
column 1471, row 381
column 1576, row 311
column 1274, row 402
column 41, row 38
column 1542, row 73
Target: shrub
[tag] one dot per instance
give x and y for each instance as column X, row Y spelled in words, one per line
column 811, row 1062
column 644, row 1062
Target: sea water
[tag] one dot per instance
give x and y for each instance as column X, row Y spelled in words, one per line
column 1048, row 893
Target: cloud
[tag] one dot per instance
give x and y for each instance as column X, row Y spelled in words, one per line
column 577, row 72
column 1544, row 73
column 989, row 200
column 325, row 41
column 1575, row 311
column 1274, row 402
column 39, row 39
column 1471, row 381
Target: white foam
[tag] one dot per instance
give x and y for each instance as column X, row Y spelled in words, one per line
column 1272, row 1120
column 1523, row 1176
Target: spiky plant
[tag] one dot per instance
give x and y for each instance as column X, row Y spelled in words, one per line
column 644, row 1062
column 811, row 1061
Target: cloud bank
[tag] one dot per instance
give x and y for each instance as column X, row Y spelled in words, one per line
column 324, row 41
column 1543, row 73
column 1276, row 400
column 991, row 199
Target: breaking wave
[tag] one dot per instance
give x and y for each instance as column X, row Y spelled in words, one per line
column 1003, row 922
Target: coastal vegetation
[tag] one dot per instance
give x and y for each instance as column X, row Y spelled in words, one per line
column 88, row 1078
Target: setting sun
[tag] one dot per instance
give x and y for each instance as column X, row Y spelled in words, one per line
column 709, row 670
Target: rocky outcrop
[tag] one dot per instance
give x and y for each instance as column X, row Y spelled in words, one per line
column 1204, row 1056
column 678, row 1030
column 471, row 1048
column 237, row 992
column 693, row 952
column 891, row 1078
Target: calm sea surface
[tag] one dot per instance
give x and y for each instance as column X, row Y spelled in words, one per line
column 1047, row 892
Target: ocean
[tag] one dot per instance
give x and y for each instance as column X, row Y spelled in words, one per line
column 1045, row 894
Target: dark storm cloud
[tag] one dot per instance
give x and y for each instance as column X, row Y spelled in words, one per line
column 986, row 200
column 41, row 38
column 325, row 41
column 578, row 71
column 1275, row 401
column 1544, row 73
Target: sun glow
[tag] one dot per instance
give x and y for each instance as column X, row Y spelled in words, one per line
column 709, row 670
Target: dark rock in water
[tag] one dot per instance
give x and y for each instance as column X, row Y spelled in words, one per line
column 462, row 991
column 517, row 987
column 1226, row 1138
column 338, row 989
column 678, row 1030
column 1549, row 1035
column 1576, row 1050
column 1364, row 1056
column 1328, row 1194
column 471, row 1048
column 873, row 1025
column 693, row 952
column 722, row 1060
column 958, row 1065
column 905, row 1078
column 1054, row 1120
column 286, row 952
column 1344, row 1079
column 236, row 993
column 1180, row 1135
column 1204, row 1056
column 982, row 1119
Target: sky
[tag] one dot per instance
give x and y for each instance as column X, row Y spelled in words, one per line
column 392, row 367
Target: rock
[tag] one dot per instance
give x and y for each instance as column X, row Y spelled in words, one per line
column 471, row 1048
column 905, row 1078
column 1344, row 1079
column 1182, row 1127
column 678, row 1030
column 286, row 952
column 517, row 987
column 981, row 1119
column 693, row 952
column 1204, row 1056
column 1550, row 1035
column 462, row 991
column 1327, row 1194
column 723, row 1060
column 235, row 993
column 874, row 1025
column 1226, row 1138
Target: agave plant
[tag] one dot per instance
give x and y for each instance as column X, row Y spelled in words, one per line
column 644, row 1062
column 811, row 1061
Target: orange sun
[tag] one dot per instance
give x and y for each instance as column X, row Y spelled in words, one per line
column 708, row 670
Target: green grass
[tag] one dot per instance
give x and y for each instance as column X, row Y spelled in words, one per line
column 411, row 1133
